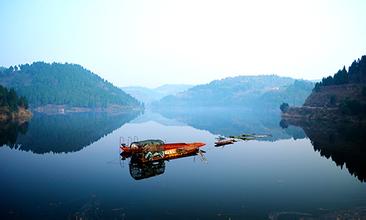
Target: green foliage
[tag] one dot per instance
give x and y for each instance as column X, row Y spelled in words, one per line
column 333, row 100
column 10, row 99
column 283, row 124
column 284, row 107
column 63, row 84
column 352, row 107
column 317, row 87
column 356, row 74
column 341, row 77
column 22, row 101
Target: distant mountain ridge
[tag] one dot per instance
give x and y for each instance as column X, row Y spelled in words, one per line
column 246, row 91
column 66, row 84
column 149, row 95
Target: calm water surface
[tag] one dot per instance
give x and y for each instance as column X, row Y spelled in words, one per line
column 68, row 166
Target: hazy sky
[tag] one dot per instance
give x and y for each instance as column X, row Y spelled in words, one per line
column 151, row 43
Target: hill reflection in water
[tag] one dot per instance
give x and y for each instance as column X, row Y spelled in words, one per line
column 61, row 133
column 234, row 121
column 10, row 130
column 277, row 179
column 341, row 142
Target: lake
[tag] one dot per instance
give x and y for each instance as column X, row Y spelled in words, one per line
column 69, row 167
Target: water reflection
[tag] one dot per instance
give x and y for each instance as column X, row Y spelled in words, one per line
column 252, row 179
column 140, row 171
column 9, row 131
column 235, row 121
column 143, row 170
column 341, row 142
column 61, row 133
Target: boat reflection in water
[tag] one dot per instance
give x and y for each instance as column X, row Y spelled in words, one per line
column 148, row 157
column 140, row 171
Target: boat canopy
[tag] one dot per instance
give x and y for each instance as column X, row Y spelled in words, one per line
column 147, row 143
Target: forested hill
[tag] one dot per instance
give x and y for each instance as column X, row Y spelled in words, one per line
column 341, row 97
column 63, row 84
column 345, row 89
column 266, row 91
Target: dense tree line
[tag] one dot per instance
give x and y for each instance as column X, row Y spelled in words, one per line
column 63, row 84
column 353, row 107
column 10, row 99
column 356, row 74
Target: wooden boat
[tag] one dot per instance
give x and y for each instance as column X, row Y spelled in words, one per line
column 153, row 150
column 224, row 142
column 141, row 146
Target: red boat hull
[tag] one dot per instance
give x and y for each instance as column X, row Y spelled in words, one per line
column 164, row 147
column 162, row 152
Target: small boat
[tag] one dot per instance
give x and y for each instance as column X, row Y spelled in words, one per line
column 224, row 142
column 248, row 137
column 153, row 150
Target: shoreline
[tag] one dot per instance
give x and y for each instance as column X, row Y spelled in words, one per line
column 64, row 109
column 307, row 113
column 21, row 116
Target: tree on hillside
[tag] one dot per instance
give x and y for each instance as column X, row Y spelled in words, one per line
column 341, row 77
column 284, row 107
column 23, row 102
column 10, row 99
